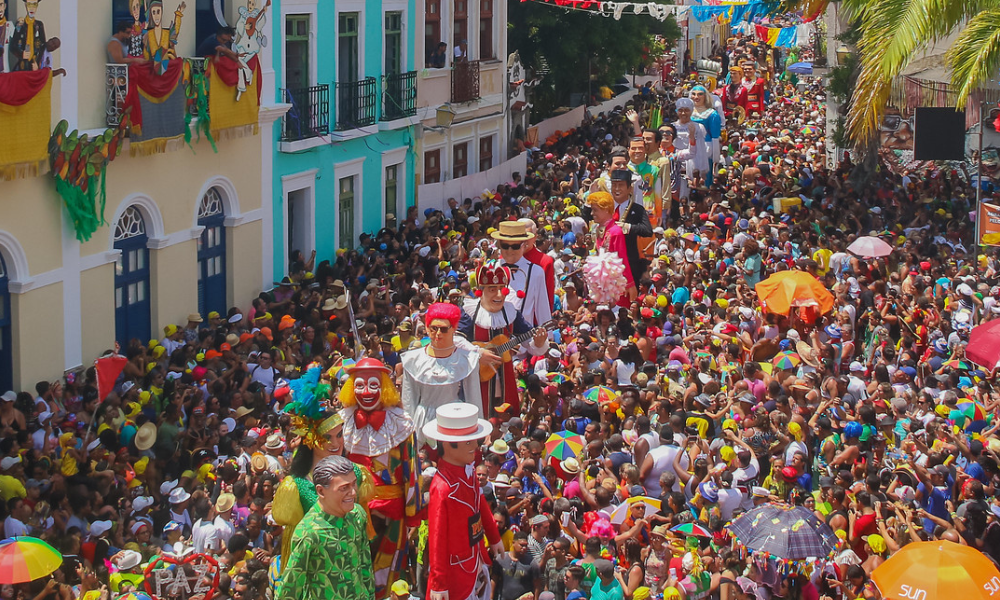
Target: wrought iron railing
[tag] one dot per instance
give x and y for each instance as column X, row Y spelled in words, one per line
column 116, row 88
column 356, row 103
column 465, row 81
column 309, row 115
column 197, row 68
column 399, row 96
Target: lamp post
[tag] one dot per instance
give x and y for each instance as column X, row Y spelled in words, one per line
column 842, row 53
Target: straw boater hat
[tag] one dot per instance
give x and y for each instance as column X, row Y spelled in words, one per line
column 512, row 231
column 807, row 353
column 145, row 437
column 457, row 422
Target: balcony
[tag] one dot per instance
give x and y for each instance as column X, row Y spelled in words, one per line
column 356, row 102
column 399, row 96
column 116, row 88
column 465, row 81
column 309, row 115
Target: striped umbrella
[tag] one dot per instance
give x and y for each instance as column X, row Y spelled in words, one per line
column 24, row 559
column 694, row 529
column 564, row 444
column 557, row 378
column 787, row 360
column 600, row 393
column 691, row 237
column 809, row 130
column 134, row 596
column 957, row 364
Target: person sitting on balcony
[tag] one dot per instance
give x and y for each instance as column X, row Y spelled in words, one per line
column 219, row 43
column 439, row 57
column 462, row 51
column 118, row 46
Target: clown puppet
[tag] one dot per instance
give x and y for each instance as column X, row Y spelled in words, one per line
column 459, row 516
column 379, row 436
column 445, row 370
column 490, row 315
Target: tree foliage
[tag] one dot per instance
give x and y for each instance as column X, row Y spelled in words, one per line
column 564, row 43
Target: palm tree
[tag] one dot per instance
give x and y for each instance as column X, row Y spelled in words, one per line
column 894, row 31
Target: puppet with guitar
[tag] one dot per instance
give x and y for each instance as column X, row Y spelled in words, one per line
column 495, row 324
column 249, row 41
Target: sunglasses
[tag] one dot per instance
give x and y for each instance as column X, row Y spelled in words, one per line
column 440, row 328
column 510, row 246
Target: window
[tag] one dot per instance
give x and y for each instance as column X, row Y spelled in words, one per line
column 461, row 23
column 296, row 52
column 432, row 29
column 347, row 68
column 486, row 29
column 346, row 212
column 460, row 163
column 485, row 153
column 392, row 210
column 432, row 166
column 393, row 42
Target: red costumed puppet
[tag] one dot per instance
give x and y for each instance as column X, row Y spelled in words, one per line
column 379, row 436
column 733, row 93
column 459, row 516
column 753, row 86
column 492, row 315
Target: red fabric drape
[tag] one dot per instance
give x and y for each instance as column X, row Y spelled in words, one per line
column 142, row 77
column 108, row 369
column 17, row 88
column 228, row 69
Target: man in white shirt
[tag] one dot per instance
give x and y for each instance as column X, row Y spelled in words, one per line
column 19, row 512
column 660, row 460
column 204, row 534
column 224, row 517
column 179, row 499
column 527, row 280
column 263, row 372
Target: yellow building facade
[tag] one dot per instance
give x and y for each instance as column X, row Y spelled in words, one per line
column 176, row 221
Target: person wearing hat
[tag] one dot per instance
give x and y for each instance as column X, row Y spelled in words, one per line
column 543, row 260
column 330, row 556
column 611, row 239
column 526, row 284
column 378, row 431
column 194, row 321
column 458, row 514
column 629, row 214
column 128, row 574
column 485, row 318
column 400, row 590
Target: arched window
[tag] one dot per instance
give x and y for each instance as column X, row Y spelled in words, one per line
column 212, row 254
column 132, row 316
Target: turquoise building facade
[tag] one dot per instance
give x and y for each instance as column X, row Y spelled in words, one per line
column 344, row 152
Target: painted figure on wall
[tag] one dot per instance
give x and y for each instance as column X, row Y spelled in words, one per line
column 138, row 26
column 6, row 32
column 159, row 44
column 27, row 43
column 249, row 41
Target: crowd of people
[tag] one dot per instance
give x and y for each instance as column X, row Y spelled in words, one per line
column 682, row 414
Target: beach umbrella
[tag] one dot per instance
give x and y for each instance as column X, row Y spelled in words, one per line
column 785, row 290
column 935, row 569
column 801, row 68
column 869, row 247
column 134, row 596
column 621, row 512
column 564, row 444
column 809, row 130
column 557, row 378
column 785, row 361
column 957, row 364
column 600, row 393
column 784, row 532
column 24, row 559
column 689, row 529
column 973, row 411
column 984, row 345
column 691, row 237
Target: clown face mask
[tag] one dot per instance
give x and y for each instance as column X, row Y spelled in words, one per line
column 368, row 390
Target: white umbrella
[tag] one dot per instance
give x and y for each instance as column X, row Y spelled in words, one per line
column 650, row 506
column 869, row 247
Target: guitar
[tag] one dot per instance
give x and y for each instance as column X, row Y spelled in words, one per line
column 502, row 345
column 252, row 21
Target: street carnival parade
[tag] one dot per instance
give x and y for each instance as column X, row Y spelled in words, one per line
column 579, row 300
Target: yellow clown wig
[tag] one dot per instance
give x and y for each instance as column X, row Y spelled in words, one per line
column 390, row 396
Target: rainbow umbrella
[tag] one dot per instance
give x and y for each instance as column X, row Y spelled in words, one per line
column 134, row 596
column 957, row 364
column 809, row 130
column 785, row 133
column 600, row 393
column 564, row 444
column 24, row 559
column 691, row 238
column 557, row 378
column 973, row 410
column 785, row 361
column 342, row 369
column 694, row 529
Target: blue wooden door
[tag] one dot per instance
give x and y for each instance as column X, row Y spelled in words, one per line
column 212, row 265
column 132, row 291
column 6, row 351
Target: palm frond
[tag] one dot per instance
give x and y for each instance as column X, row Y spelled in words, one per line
column 975, row 56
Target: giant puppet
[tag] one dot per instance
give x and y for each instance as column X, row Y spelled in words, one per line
column 379, row 435
column 494, row 323
column 459, row 517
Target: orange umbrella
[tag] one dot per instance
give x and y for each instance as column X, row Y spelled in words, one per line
column 785, row 290
column 936, row 570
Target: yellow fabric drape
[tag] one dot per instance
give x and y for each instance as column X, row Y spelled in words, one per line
column 231, row 118
column 26, row 128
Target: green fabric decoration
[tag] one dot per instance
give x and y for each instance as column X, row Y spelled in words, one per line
column 196, row 90
column 82, row 205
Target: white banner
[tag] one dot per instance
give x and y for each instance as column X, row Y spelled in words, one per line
column 435, row 195
column 564, row 122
